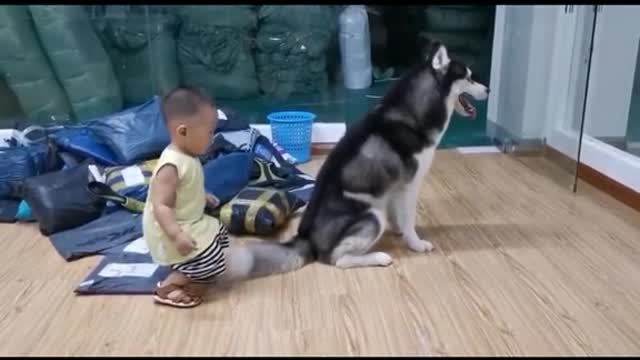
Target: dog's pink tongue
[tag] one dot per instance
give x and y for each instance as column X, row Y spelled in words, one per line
column 473, row 113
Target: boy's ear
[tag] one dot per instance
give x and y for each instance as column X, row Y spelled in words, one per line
column 182, row 130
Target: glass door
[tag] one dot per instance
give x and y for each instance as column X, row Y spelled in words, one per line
column 611, row 136
column 535, row 90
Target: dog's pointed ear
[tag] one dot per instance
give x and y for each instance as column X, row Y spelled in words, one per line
column 440, row 59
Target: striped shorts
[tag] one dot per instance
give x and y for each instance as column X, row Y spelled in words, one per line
column 210, row 263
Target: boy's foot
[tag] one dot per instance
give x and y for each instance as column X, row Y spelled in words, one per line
column 176, row 296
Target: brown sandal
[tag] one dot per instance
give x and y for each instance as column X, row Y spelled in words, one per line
column 161, row 295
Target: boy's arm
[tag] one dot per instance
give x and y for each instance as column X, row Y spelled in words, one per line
column 212, row 201
column 164, row 200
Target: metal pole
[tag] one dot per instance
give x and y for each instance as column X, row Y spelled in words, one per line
column 586, row 93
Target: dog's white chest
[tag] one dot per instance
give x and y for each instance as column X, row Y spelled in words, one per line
column 424, row 159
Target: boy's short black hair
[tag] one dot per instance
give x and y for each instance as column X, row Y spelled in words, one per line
column 184, row 101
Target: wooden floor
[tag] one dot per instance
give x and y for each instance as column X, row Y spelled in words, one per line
column 522, row 267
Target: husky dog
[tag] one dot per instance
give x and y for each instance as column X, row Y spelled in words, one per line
column 373, row 175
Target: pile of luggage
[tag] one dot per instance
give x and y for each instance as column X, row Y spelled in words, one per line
column 85, row 185
column 73, row 63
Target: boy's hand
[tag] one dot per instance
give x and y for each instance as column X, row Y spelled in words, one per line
column 185, row 244
column 212, row 201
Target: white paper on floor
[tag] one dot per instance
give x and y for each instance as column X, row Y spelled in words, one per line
column 134, row 270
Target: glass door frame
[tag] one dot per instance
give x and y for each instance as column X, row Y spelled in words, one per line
column 595, row 154
column 550, row 49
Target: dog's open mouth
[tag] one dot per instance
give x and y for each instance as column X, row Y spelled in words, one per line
column 469, row 110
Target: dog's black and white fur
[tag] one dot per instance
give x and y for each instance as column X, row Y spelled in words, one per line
column 375, row 171
column 373, row 175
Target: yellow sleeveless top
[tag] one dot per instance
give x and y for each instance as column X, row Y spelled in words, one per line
column 189, row 210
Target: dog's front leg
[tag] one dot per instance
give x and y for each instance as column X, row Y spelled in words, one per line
column 404, row 209
column 393, row 224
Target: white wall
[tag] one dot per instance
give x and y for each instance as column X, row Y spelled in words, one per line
column 513, row 59
column 612, row 71
column 539, row 75
column 526, row 41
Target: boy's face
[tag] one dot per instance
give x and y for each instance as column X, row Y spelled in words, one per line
column 195, row 134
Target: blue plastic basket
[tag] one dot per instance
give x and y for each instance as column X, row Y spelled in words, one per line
column 292, row 131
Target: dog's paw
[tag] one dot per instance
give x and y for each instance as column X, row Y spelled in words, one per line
column 421, row 246
column 383, row 259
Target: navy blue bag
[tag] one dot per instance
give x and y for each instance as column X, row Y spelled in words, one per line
column 16, row 165
column 285, row 176
column 124, row 273
column 82, row 142
column 8, row 210
column 135, row 134
column 226, row 175
column 98, row 236
column 234, row 121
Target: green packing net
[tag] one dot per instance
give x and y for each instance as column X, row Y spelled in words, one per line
column 456, row 17
column 215, row 50
column 142, row 47
column 9, row 106
column 464, row 29
column 292, row 46
column 78, row 58
column 26, row 70
column 474, row 42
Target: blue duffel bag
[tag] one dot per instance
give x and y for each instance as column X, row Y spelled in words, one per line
column 135, row 134
column 22, row 158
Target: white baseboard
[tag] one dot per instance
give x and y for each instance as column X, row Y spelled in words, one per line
column 321, row 133
column 617, row 164
column 478, row 150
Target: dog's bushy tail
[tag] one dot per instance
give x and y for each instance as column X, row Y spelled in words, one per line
column 259, row 259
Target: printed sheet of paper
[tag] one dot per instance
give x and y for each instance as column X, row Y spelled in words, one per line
column 128, row 270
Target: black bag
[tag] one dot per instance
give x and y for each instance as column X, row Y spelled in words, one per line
column 61, row 201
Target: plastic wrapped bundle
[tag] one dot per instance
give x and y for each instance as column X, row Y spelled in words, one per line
column 78, row 59
column 214, row 50
column 142, row 47
column 26, row 69
column 474, row 42
column 292, row 45
column 10, row 109
column 457, row 17
column 464, row 29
